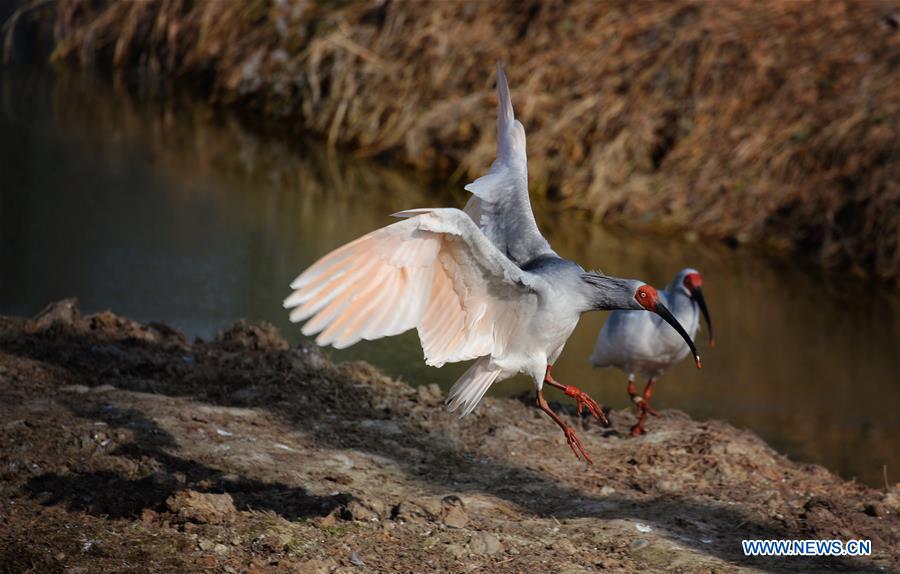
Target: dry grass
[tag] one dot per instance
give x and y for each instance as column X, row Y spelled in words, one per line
column 771, row 122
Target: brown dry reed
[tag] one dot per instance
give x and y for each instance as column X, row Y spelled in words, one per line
column 770, row 122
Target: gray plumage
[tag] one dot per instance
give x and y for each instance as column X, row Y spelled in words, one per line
column 642, row 343
column 500, row 204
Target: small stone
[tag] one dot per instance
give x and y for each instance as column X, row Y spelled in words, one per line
column 244, row 336
column 356, row 560
column 429, row 394
column 44, row 497
column 201, row 507
column 103, row 389
column 314, row 566
column 359, row 510
column 77, row 389
column 456, row 550
column 654, row 556
column 220, row 549
column 148, row 516
column 638, row 544
column 64, row 313
column 279, row 541
column 485, row 544
column 607, row 563
column 565, row 546
column 875, row 509
column 406, row 511
column 453, row 512
column 339, row 478
column 206, row 544
column 892, row 499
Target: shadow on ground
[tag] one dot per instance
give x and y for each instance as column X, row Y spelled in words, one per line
column 106, row 493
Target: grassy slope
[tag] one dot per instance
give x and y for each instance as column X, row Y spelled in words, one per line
column 767, row 122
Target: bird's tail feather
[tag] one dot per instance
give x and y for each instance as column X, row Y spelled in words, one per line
column 470, row 388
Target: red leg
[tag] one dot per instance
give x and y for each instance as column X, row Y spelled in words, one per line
column 573, row 441
column 582, row 399
column 642, row 402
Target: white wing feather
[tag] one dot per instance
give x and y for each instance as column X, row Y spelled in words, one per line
column 435, row 271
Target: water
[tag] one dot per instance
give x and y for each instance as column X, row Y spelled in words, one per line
column 162, row 209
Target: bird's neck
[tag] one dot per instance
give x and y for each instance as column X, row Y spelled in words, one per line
column 605, row 293
column 682, row 306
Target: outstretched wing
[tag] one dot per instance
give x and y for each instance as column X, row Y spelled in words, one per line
column 434, row 271
column 500, row 204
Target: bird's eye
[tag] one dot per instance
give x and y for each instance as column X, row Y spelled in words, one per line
column 643, row 295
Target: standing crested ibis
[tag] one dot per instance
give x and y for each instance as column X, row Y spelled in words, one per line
column 639, row 343
column 478, row 284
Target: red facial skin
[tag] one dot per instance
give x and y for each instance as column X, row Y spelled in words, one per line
column 647, row 297
column 692, row 281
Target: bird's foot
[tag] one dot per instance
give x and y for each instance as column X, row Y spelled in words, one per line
column 573, row 441
column 642, row 403
column 582, row 399
column 576, row 446
column 643, row 409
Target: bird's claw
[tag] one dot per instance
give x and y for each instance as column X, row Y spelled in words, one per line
column 576, row 446
column 643, row 409
column 582, row 399
column 643, row 406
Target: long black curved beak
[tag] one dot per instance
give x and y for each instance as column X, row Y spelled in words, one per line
column 663, row 312
column 697, row 295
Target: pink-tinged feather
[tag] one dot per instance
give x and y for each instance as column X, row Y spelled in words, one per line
column 330, row 260
column 434, row 271
column 372, row 303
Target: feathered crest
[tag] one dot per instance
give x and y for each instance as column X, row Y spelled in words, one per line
column 595, row 277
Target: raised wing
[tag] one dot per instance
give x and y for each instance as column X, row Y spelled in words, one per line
column 500, row 204
column 434, row 271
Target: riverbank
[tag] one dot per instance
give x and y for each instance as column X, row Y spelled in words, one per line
column 769, row 123
column 126, row 446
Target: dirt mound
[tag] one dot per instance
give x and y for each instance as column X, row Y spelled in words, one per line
column 122, row 451
column 769, row 122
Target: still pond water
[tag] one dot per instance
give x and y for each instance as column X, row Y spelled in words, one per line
column 161, row 209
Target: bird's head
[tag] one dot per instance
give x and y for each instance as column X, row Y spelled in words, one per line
column 612, row 293
column 647, row 298
column 692, row 282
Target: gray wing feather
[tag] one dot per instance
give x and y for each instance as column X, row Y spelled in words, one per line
column 500, row 204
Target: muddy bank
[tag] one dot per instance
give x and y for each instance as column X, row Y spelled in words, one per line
column 124, row 446
column 764, row 122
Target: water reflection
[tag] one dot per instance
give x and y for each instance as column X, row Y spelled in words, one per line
column 161, row 209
